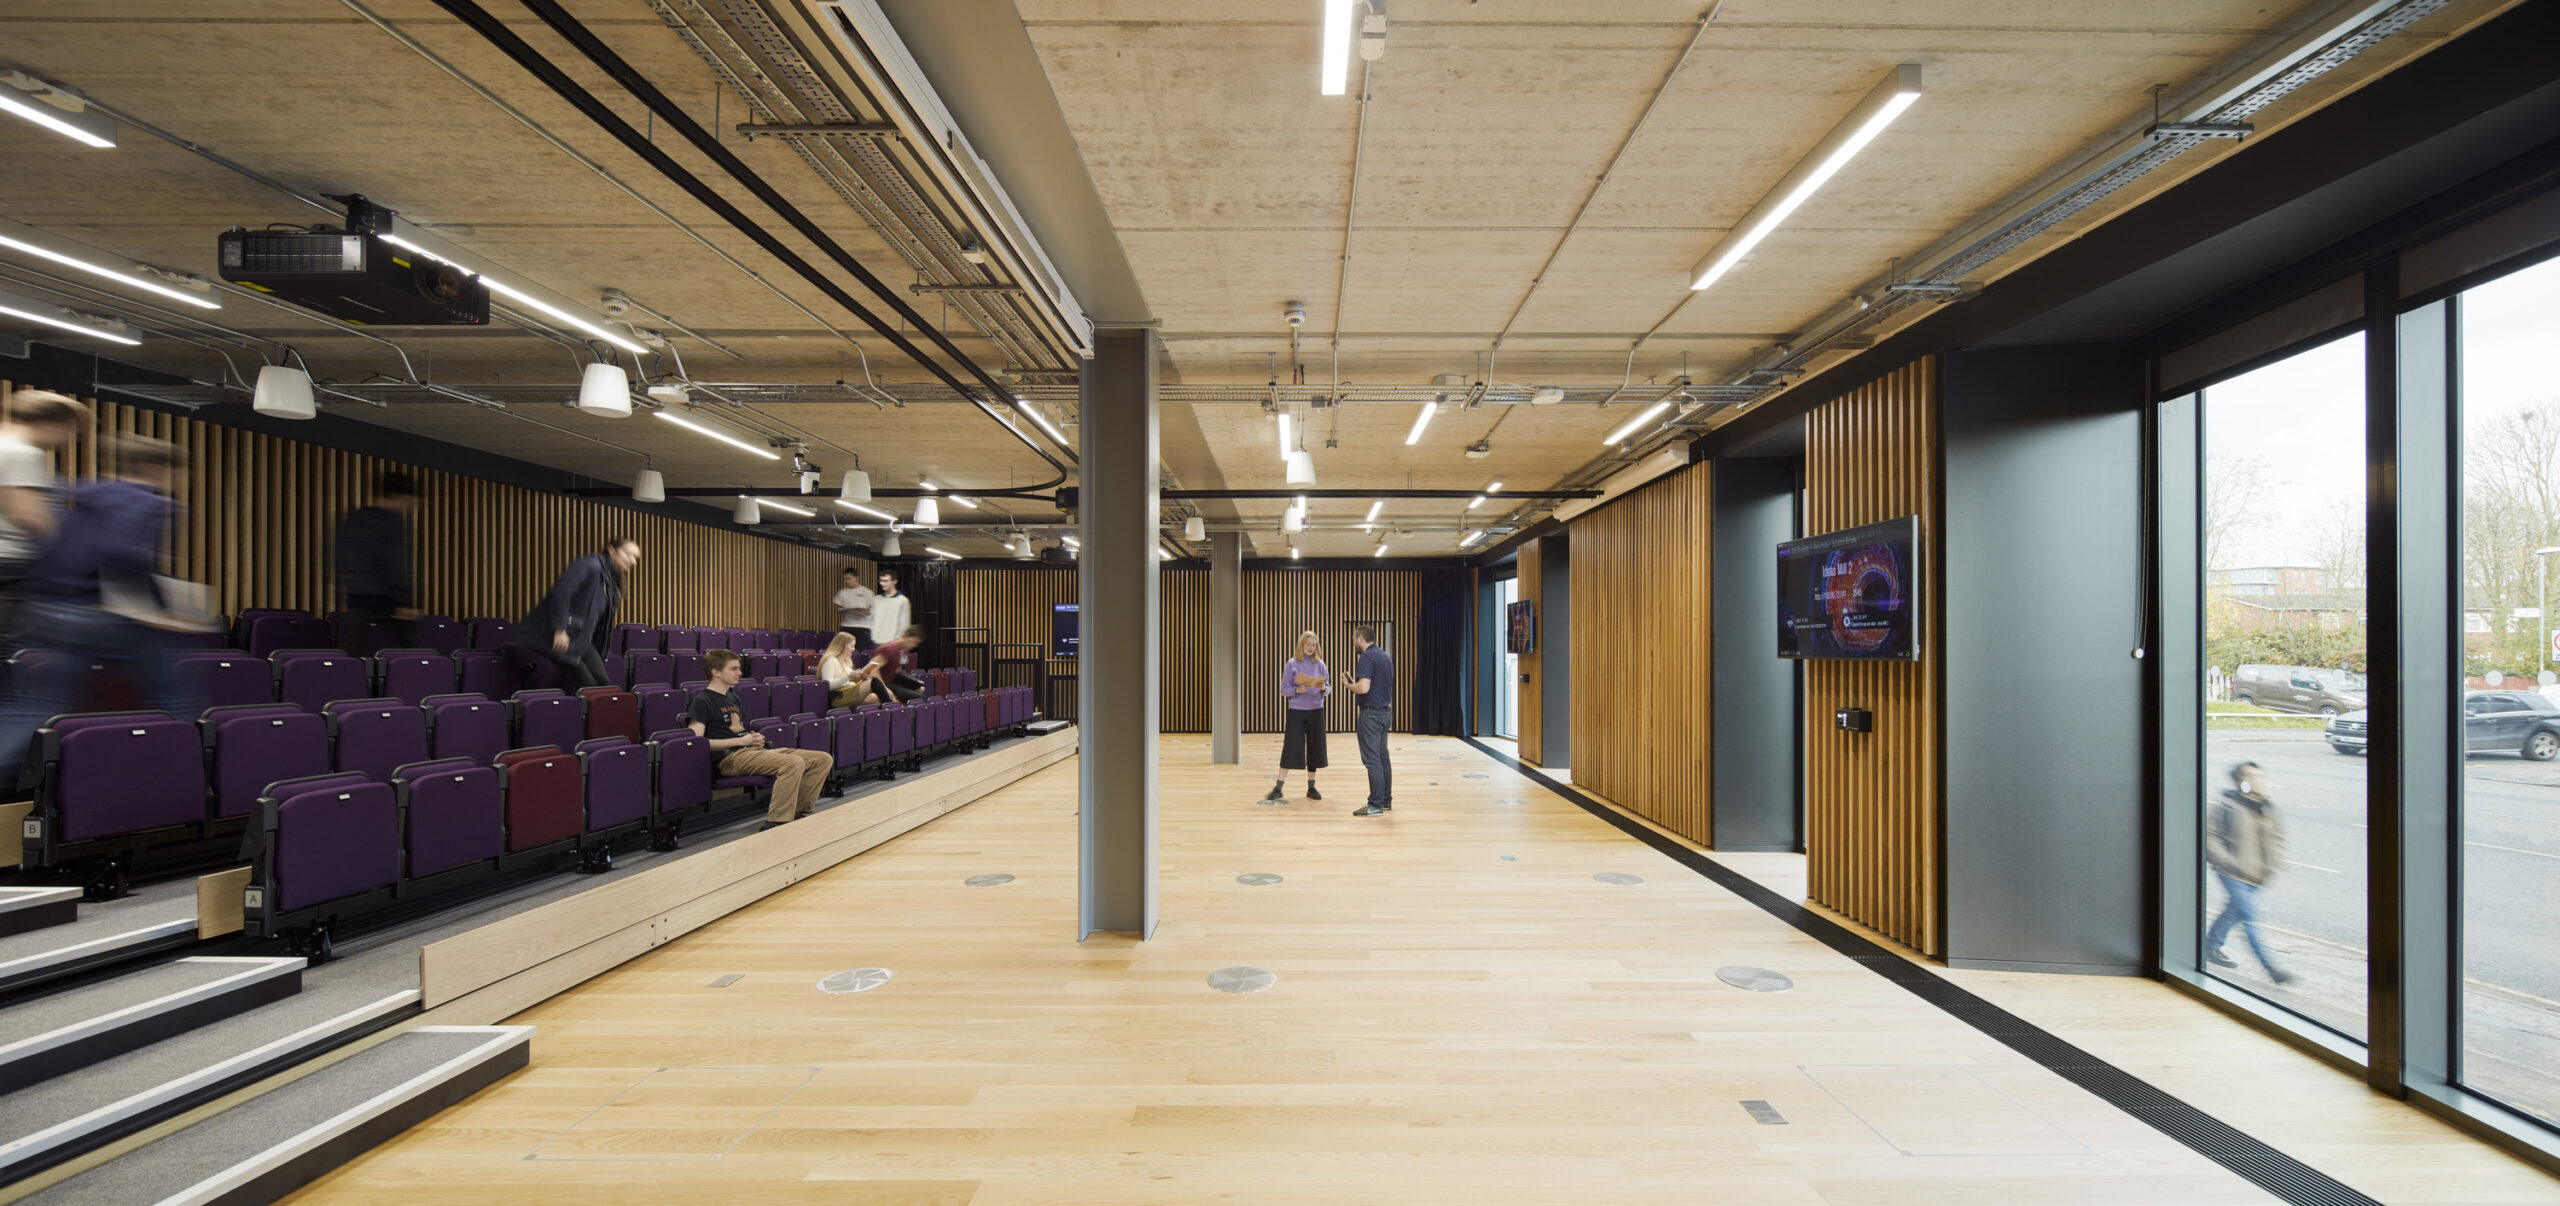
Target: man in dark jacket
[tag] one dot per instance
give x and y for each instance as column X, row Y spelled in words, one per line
column 2244, row 845
column 373, row 560
column 91, row 602
column 572, row 623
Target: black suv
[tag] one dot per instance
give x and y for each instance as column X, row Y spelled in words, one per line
column 2519, row 722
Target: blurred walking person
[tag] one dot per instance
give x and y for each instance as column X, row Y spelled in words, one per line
column 571, row 623
column 1305, row 684
column 39, row 424
column 2244, row 845
column 373, row 561
column 94, row 600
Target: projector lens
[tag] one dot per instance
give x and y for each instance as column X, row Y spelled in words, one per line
column 442, row 282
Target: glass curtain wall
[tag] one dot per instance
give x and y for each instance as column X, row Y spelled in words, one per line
column 1507, row 695
column 2509, row 991
column 2282, row 822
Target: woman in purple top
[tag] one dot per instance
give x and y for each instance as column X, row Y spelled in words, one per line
column 1305, row 683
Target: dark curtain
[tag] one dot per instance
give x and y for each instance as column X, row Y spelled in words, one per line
column 928, row 586
column 1440, row 655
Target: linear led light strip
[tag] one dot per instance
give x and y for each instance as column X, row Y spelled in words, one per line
column 1632, row 425
column 118, row 275
column 32, row 310
column 1860, row 127
column 1337, row 47
column 511, row 293
column 942, row 553
column 883, row 516
column 722, row 436
column 784, row 506
column 94, row 129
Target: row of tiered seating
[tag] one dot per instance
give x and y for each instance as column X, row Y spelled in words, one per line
column 261, row 631
column 329, row 848
column 310, row 678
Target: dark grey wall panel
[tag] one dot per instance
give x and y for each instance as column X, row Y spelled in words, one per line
column 1756, row 705
column 2043, row 712
column 1555, row 573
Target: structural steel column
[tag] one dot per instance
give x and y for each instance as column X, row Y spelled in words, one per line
column 1116, row 583
column 1226, row 647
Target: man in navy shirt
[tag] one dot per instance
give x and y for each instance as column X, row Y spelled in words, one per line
column 1373, row 680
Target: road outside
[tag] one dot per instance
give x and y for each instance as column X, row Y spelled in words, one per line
column 2313, row 915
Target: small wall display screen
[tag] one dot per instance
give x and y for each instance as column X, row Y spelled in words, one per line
column 1852, row 594
column 1062, row 630
column 1524, row 626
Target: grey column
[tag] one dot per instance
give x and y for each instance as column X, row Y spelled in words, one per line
column 1116, row 583
column 1226, row 646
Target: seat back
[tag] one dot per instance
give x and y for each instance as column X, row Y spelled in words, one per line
column 248, row 746
column 411, row 675
column 374, row 737
column 617, row 670
column 652, row 670
column 548, row 717
column 329, row 838
column 439, row 633
column 990, row 711
column 118, row 773
column 683, row 766
column 483, row 673
column 625, row 638
column 732, row 639
column 845, row 731
column 264, row 632
column 759, row 666
column 755, row 699
column 813, row 693
column 487, row 632
column 359, row 635
column 617, row 772
column 661, row 708
column 612, row 712
column 902, row 728
column 545, row 796
column 453, row 813
column 759, row 638
column 874, row 720
column 225, row 678
column 309, row 678
column 468, row 727
column 779, row 734
column 680, row 641
column 812, row 734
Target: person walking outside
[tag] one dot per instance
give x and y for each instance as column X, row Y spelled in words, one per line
column 40, row 422
column 1306, row 685
column 799, row 776
column 373, row 561
column 1373, row 681
column 94, row 599
column 853, row 608
column 571, row 623
column 2244, row 845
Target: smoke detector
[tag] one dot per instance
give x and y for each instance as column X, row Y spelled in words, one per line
column 1546, row 395
column 667, row 393
column 1479, row 450
column 1294, row 313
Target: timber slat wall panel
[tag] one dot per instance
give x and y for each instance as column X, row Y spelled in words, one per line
column 1641, row 652
column 1529, row 711
column 1280, row 604
column 262, row 515
column 1872, row 799
column 1014, row 606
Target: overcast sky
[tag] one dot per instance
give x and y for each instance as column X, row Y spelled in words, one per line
column 2303, row 418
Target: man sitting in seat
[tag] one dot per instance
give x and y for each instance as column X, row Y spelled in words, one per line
column 714, row 716
column 890, row 676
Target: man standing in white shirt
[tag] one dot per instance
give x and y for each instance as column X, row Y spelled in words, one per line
column 891, row 613
column 853, row 608
column 38, row 423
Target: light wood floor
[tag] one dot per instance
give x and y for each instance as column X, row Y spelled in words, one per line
column 1449, row 1025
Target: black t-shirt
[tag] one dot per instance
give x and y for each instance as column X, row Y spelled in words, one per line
column 718, row 713
column 1381, row 673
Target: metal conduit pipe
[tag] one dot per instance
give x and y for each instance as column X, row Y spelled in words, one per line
column 638, row 86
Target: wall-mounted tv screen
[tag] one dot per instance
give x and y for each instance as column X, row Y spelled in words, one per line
column 1062, row 630
column 1524, row 626
column 1852, row 594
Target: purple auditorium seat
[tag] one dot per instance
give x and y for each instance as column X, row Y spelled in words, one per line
column 549, row 718
column 440, row 634
column 264, row 632
column 453, row 812
column 902, row 732
column 662, row 708
column 779, row 734
column 845, row 729
column 617, row 669
column 374, row 737
column 707, row 639
column 733, row 639
column 309, row 678
column 328, row 838
column 248, row 615
column 813, row 733
column 690, row 687
column 468, row 727
column 651, row 670
column 684, row 770
column 681, row 641
column 251, row 745
column 622, row 638
column 545, row 799
column 107, row 774
column 225, row 678
column 529, row 671
column 756, row 667
column 755, row 699
column 812, row 697
column 617, row 773
column 874, row 721
column 414, row 674
column 484, row 673
column 964, row 680
column 933, row 724
column 612, row 712
column 759, row 638
column 357, row 635
column 487, row 632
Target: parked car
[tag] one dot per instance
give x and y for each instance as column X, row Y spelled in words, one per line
column 2306, row 689
column 2517, row 722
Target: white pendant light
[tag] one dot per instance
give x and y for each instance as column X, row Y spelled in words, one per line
column 1302, row 468
column 928, row 512
column 284, row 393
column 889, row 547
column 605, row 390
column 747, row 511
column 1293, row 520
column 1195, row 528
column 650, row 486
column 1022, row 547
column 856, row 487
